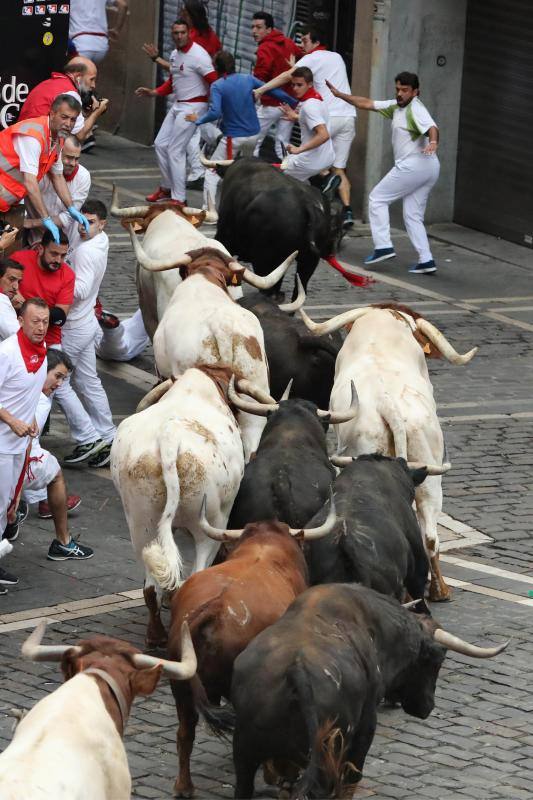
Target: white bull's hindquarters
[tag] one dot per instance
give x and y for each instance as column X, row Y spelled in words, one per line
column 164, row 459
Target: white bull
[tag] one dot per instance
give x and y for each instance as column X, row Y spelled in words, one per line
column 202, row 324
column 168, row 233
column 397, row 414
column 69, row 746
column 163, row 460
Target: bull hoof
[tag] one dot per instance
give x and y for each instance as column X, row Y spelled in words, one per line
column 439, row 593
column 155, row 641
column 183, row 790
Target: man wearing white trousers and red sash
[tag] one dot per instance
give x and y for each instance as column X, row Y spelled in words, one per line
column 191, row 73
column 415, row 138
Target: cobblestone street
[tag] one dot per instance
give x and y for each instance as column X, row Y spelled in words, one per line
column 478, row 742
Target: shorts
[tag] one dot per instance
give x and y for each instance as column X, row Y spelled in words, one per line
column 11, row 466
column 342, row 132
column 42, row 469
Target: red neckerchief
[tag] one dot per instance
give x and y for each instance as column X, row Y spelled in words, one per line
column 187, row 47
column 318, row 47
column 310, row 94
column 32, row 354
column 71, row 177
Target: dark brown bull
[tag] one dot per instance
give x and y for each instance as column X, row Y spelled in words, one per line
column 226, row 606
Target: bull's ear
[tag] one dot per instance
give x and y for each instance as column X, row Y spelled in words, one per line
column 144, row 681
column 418, row 475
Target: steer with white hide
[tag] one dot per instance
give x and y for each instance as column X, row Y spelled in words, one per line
column 384, row 354
column 168, row 231
column 69, row 746
column 203, row 325
column 183, row 444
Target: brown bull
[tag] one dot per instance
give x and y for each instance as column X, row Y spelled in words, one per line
column 226, row 606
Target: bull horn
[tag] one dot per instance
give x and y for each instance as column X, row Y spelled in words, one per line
column 259, row 409
column 432, row 469
column 247, row 387
column 270, row 280
column 132, row 211
column 151, row 264
column 458, row 645
column 154, row 395
column 442, row 344
column 218, row 534
column 213, row 164
column 341, row 461
column 175, row 670
column 337, row 417
column 35, row 651
column 297, row 304
column 210, row 216
column 310, row 534
column 333, row 324
column 412, row 603
column 286, row 393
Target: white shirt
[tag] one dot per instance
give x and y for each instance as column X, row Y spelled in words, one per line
column 409, row 126
column 326, row 65
column 89, row 262
column 9, row 323
column 314, row 112
column 79, row 188
column 187, row 70
column 28, row 150
column 19, row 393
column 44, row 406
column 87, row 16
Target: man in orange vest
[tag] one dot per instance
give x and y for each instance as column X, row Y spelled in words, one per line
column 31, row 149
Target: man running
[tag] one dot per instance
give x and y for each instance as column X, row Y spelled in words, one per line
column 415, row 138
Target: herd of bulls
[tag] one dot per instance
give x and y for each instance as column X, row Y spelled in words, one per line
column 299, row 624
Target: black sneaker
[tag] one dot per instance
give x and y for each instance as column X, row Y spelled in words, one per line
column 22, row 511
column 330, row 183
column 88, row 144
column 3, row 590
column 347, row 217
column 84, row 451
column 71, row 551
column 11, row 531
column 7, row 579
column 427, row 268
column 102, row 458
column 198, row 183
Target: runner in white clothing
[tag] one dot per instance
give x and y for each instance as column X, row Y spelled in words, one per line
column 10, row 278
column 316, row 151
column 88, row 27
column 22, row 375
column 80, row 332
column 415, row 138
column 191, row 73
column 78, row 180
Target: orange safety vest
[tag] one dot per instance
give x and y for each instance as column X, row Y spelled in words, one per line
column 12, row 188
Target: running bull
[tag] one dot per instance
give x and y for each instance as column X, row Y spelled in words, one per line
column 306, row 690
column 385, row 355
column 265, row 215
column 227, row 605
column 70, row 744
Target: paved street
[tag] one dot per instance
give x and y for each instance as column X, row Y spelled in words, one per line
column 478, row 743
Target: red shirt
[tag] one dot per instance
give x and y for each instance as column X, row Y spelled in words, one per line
column 55, row 288
column 273, row 54
column 207, row 39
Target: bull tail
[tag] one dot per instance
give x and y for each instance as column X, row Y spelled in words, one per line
column 325, row 773
column 394, row 421
column 219, row 719
column 162, row 557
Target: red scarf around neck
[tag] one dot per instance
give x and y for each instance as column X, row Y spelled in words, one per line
column 311, row 93
column 32, row 354
column 71, row 177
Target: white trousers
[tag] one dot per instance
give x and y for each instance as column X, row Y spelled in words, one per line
column 342, row 132
column 171, row 147
column 125, row 342
column 304, row 165
column 212, row 179
column 42, row 469
column 271, row 115
column 411, row 181
column 79, row 344
column 10, row 469
column 93, row 47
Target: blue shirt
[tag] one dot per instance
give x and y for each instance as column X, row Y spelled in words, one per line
column 232, row 102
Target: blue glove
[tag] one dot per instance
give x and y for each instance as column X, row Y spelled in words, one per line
column 50, row 225
column 75, row 214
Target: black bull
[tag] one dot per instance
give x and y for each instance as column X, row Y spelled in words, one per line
column 293, row 353
column 265, row 215
column 312, row 682
column 377, row 541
